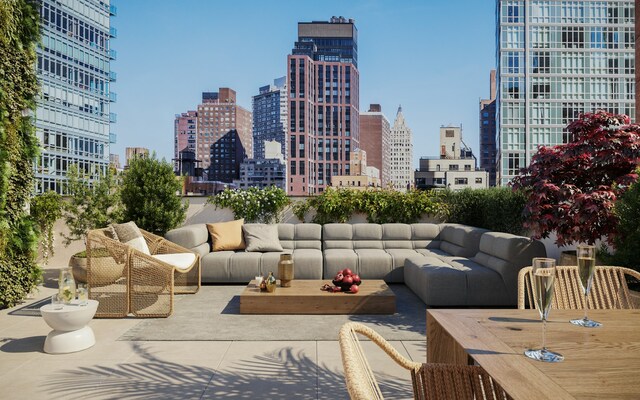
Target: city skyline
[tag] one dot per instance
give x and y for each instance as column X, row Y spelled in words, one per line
column 165, row 64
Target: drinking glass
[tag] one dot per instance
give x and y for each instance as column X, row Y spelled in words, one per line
column 544, row 275
column 57, row 303
column 82, row 291
column 586, row 267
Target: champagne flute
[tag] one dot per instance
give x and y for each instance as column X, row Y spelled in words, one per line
column 586, row 268
column 544, row 275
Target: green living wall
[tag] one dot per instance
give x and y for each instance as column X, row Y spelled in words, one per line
column 19, row 32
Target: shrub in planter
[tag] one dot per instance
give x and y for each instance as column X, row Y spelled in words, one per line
column 91, row 205
column 496, row 209
column 390, row 206
column 380, row 205
column 626, row 249
column 572, row 188
column 254, row 204
column 149, row 195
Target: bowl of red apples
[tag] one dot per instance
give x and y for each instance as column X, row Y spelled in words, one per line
column 346, row 281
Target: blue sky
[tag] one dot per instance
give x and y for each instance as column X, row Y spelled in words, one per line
column 432, row 57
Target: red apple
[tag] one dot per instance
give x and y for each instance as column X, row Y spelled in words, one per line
column 336, row 289
column 356, row 279
column 347, row 271
column 348, row 280
column 354, row 288
column 339, row 276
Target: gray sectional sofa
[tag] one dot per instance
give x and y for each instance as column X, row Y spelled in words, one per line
column 444, row 264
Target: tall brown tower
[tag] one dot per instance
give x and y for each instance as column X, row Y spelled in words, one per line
column 324, row 124
column 375, row 137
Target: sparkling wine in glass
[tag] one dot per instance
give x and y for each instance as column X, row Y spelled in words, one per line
column 544, row 275
column 586, row 268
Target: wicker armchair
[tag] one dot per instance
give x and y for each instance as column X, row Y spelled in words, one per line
column 609, row 289
column 124, row 280
column 430, row 381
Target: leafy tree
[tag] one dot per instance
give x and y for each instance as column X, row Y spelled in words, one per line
column 149, row 194
column 627, row 210
column 572, row 188
column 19, row 33
column 45, row 209
column 92, row 204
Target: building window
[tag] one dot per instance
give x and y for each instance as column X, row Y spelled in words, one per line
column 478, row 180
column 453, row 167
column 461, row 181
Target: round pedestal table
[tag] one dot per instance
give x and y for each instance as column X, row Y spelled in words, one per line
column 70, row 331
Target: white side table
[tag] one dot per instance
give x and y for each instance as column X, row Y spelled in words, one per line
column 70, row 331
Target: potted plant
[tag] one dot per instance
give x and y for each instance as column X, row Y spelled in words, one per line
column 92, row 204
column 572, row 188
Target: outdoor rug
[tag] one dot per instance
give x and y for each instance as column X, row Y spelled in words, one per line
column 214, row 314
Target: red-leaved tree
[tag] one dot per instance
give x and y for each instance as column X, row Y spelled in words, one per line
column 572, row 187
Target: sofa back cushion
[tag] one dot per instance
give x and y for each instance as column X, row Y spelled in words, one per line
column 189, row 236
column 308, row 236
column 425, row 236
column 367, row 236
column 396, row 236
column 506, row 254
column 460, row 240
column 337, row 236
column 300, row 236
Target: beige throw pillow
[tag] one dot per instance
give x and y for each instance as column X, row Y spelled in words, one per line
column 129, row 234
column 226, row 235
column 260, row 237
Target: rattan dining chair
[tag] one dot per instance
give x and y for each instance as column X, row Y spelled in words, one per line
column 430, row 381
column 143, row 284
column 609, row 289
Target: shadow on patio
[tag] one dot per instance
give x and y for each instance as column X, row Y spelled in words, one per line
column 278, row 374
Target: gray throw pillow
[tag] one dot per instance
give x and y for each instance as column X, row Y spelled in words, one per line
column 260, row 237
column 130, row 234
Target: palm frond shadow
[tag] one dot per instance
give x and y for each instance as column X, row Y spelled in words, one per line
column 411, row 313
column 278, row 374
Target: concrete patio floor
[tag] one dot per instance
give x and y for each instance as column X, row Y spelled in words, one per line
column 115, row 369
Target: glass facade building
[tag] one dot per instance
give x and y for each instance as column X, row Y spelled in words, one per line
column 270, row 116
column 73, row 117
column 557, row 59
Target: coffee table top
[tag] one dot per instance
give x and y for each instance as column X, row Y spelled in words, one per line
column 311, row 288
column 306, row 297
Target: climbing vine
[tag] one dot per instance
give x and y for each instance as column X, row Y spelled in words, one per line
column 19, row 34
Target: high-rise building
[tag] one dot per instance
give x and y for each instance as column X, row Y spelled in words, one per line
column 361, row 176
column 73, row 116
column 134, row 152
column 270, row 116
column 487, row 131
column 114, row 161
column 455, row 168
column 323, row 85
column 227, row 152
column 401, row 145
column 375, row 136
column 264, row 172
column 557, row 59
column 184, row 135
column 220, row 118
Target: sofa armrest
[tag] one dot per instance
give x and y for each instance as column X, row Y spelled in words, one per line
column 189, row 236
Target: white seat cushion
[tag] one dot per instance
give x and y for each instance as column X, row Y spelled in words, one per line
column 181, row 261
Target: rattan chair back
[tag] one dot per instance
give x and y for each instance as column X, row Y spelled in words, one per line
column 429, row 381
column 609, row 289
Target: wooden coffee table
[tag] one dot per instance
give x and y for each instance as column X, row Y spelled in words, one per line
column 305, row 297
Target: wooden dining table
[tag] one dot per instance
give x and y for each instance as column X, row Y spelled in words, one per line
column 599, row 363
